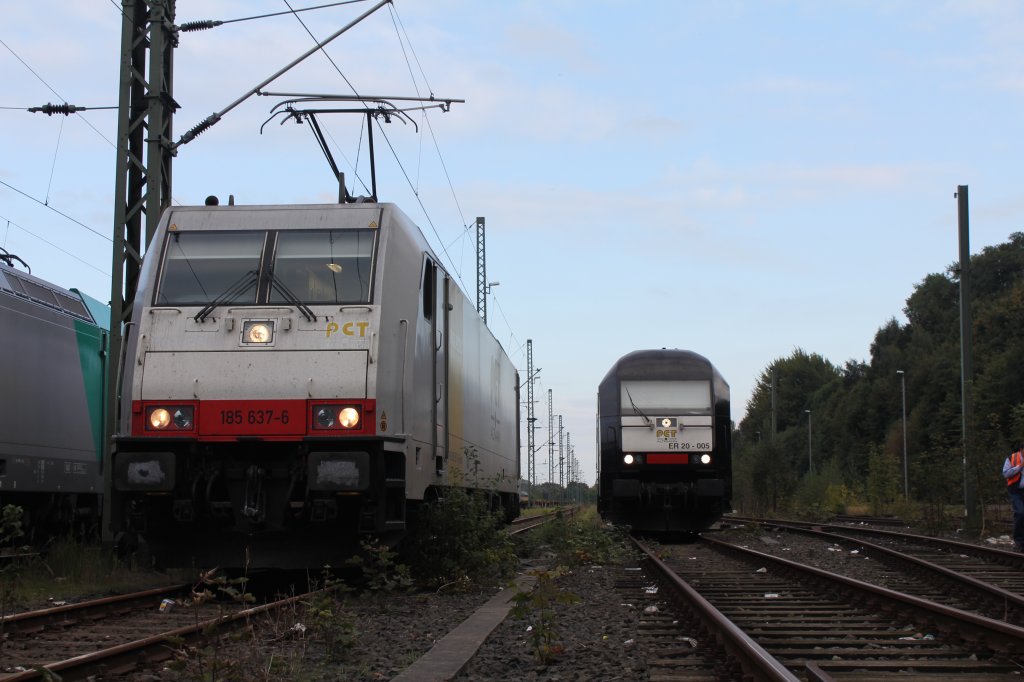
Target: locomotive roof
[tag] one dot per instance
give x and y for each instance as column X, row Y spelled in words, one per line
column 70, row 302
column 662, row 364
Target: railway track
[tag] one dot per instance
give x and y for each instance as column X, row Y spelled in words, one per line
column 986, row 580
column 818, row 625
column 723, row 651
column 117, row 635
column 113, row 636
column 527, row 523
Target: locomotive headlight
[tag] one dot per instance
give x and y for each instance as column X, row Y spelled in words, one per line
column 705, row 458
column 159, row 418
column 258, row 332
column 348, row 418
column 340, row 416
column 325, row 417
column 182, row 418
column 627, row 459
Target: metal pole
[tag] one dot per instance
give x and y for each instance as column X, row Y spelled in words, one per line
column 551, row 440
column 531, row 462
column 810, row 458
column 481, row 270
column 972, row 523
column 903, row 393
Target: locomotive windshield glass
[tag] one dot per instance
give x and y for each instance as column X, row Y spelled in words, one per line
column 202, row 266
column 665, row 395
column 324, row 266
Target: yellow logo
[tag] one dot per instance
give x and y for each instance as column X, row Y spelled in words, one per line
column 348, row 329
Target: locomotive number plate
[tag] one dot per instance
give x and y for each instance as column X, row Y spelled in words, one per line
column 685, row 439
column 252, row 417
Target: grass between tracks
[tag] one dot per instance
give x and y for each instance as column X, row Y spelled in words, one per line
column 62, row 569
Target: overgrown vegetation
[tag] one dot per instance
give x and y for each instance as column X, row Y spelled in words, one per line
column 575, row 540
column 207, row 660
column 458, row 540
column 565, row 544
column 538, row 606
column 64, row 566
column 853, row 414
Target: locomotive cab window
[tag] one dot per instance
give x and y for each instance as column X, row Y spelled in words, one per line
column 325, row 266
column 201, row 266
column 678, row 395
column 233, row 268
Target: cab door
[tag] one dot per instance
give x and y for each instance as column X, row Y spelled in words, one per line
column 433, row 388
column 441, row 327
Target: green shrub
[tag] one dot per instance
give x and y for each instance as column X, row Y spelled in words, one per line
column 458, row 539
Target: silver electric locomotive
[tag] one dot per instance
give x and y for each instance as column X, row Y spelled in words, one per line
column 296, row 376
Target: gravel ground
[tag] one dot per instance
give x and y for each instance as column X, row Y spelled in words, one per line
column 594, row 635
column 375, row 637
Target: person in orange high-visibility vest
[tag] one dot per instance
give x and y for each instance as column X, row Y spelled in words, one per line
column 1012, row 468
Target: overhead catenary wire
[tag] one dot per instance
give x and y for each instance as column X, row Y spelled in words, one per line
column 214, row 23
column 57, row 94
column 320, row 46
column 213, row 118
column 58, row 212
column 354, row 167
column 47, row 241
column 53, row 166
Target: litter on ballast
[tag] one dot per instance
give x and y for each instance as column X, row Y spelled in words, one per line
column 651, row 589
column 761, row 570
column 651, row 609
column 771, row 595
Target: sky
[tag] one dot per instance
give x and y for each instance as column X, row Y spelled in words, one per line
column 740, row 179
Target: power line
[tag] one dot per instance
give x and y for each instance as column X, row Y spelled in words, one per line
column 60, row 213
column 394, row 153
column 200, row 25
column 57, row 94
column 43, row 239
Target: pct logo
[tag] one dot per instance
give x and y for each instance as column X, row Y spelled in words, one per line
column 348, row 329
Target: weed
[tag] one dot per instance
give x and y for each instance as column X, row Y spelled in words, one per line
column 330, row 624
column 578, row 540
column 204, row 661
column 10, row 524
column 381, row 571
column 458, row 540
column 538, row 607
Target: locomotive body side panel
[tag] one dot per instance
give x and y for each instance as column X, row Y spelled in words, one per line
column 483, row 439
column 52, row 362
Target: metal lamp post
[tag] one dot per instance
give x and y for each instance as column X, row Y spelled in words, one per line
column 903, row 394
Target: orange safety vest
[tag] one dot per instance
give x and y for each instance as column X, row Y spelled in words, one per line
column 1015, row 460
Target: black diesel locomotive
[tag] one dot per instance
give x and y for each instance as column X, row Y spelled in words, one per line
column 664, row 442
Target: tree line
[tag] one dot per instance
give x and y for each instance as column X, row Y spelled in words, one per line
column 818, row 437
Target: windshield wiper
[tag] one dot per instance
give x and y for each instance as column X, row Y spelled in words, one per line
column 291, row 298
column 636, row 409
column 244, row 282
